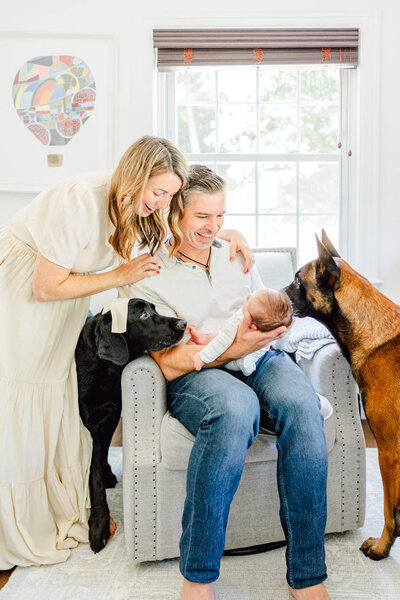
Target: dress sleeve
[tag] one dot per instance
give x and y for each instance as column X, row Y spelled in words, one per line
column 63, row 223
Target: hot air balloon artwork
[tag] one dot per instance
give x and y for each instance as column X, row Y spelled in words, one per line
column 54, row 96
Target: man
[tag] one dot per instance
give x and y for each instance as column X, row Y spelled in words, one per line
column 198, row 283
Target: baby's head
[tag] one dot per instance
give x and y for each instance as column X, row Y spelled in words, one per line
column 270, row 309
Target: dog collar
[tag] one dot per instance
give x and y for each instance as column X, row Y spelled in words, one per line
column 119, row 314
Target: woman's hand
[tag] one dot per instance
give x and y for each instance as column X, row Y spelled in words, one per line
column 238, row 244
column 136, row 269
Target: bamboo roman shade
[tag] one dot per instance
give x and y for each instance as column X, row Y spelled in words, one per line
column 213, row 47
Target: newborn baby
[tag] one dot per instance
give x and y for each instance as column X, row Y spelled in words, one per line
column 268, row 309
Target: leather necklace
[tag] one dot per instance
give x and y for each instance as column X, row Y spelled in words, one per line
column 206, row 265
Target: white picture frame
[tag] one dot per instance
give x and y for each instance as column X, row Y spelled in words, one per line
column 23, row 158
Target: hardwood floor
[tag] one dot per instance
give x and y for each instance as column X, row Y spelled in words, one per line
column 4, row 577
column 117, row 441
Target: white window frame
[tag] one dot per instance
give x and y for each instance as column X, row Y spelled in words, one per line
column 166, row 113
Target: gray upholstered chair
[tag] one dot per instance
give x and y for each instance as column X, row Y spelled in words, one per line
column 156, row 450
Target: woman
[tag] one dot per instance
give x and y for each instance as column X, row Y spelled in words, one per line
column 47, row 254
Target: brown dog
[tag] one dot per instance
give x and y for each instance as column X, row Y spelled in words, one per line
column 366, row 326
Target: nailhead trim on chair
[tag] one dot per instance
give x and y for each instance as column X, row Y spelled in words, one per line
column 339, row 359
column 135, row 467
column 359, row 442
column 341, row 437
column 136, row 486
column 153, row 437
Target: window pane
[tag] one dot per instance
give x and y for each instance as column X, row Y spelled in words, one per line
column 240, row 186
column 278, row 202
column 230, row 91
column 278, row 129
column 237, row 128
column 246, row 225
column 210, row 165
column 311, row 225
column 318, row 85
column 276, row 85
column 276, row 231
column 196, row 129
column 319, row 129
column 319, row 187
column 276, row 187
column 195, row 86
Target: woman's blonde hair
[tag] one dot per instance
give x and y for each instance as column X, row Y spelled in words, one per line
column 147, row 157
column 202, row 180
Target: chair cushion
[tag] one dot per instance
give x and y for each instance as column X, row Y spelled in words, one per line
column 276, row 268
column 177, row 441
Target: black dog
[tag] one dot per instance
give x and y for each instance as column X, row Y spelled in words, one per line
column 100, row 358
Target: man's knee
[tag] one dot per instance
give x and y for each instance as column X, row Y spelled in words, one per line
column 213, row 398
column 285, row 392
column 237, row 410
column 300, row 413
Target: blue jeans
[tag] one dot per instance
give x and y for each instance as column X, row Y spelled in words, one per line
column 223, row 412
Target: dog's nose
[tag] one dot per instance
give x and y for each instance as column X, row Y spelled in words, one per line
column 181, row 324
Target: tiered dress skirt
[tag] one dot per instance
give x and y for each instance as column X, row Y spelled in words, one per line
column 45, row 450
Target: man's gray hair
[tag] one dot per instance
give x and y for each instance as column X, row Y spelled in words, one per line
column 202, row 180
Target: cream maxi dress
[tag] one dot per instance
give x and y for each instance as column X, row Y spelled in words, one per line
column 45, row 450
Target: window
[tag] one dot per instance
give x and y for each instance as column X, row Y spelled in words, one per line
column 272, row 132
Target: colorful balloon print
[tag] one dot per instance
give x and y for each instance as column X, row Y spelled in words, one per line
column 54, row 96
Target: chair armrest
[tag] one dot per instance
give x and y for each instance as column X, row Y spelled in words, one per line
column 144, row 404
column 331, row 376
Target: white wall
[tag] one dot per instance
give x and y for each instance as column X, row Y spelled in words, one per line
column 376, row 218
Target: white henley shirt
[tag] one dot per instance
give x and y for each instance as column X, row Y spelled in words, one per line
column 183, row 290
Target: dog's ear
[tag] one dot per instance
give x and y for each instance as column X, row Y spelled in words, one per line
column 328, row 244
column 328, row 270
column 110, row 346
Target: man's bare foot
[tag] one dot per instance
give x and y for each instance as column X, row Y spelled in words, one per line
column 315, row 592
column 197, row 591
column 113, row 528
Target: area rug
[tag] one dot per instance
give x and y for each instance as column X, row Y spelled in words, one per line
column 110, row 575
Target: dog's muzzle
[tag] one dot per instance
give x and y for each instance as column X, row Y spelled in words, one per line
column 181, row 324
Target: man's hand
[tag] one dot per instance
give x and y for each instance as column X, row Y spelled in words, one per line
column 249, row 339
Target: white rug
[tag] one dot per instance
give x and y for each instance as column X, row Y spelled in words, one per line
column 110, row 575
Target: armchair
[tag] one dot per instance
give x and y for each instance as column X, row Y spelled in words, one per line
column 156, row 449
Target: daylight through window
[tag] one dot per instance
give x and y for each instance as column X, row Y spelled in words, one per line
column 273, row 134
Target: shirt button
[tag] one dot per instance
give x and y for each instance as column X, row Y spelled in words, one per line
column 194, row 266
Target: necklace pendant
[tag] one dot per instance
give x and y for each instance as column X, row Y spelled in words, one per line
column 205, row 265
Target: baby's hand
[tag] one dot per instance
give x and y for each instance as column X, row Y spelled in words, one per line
column 197, row 362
